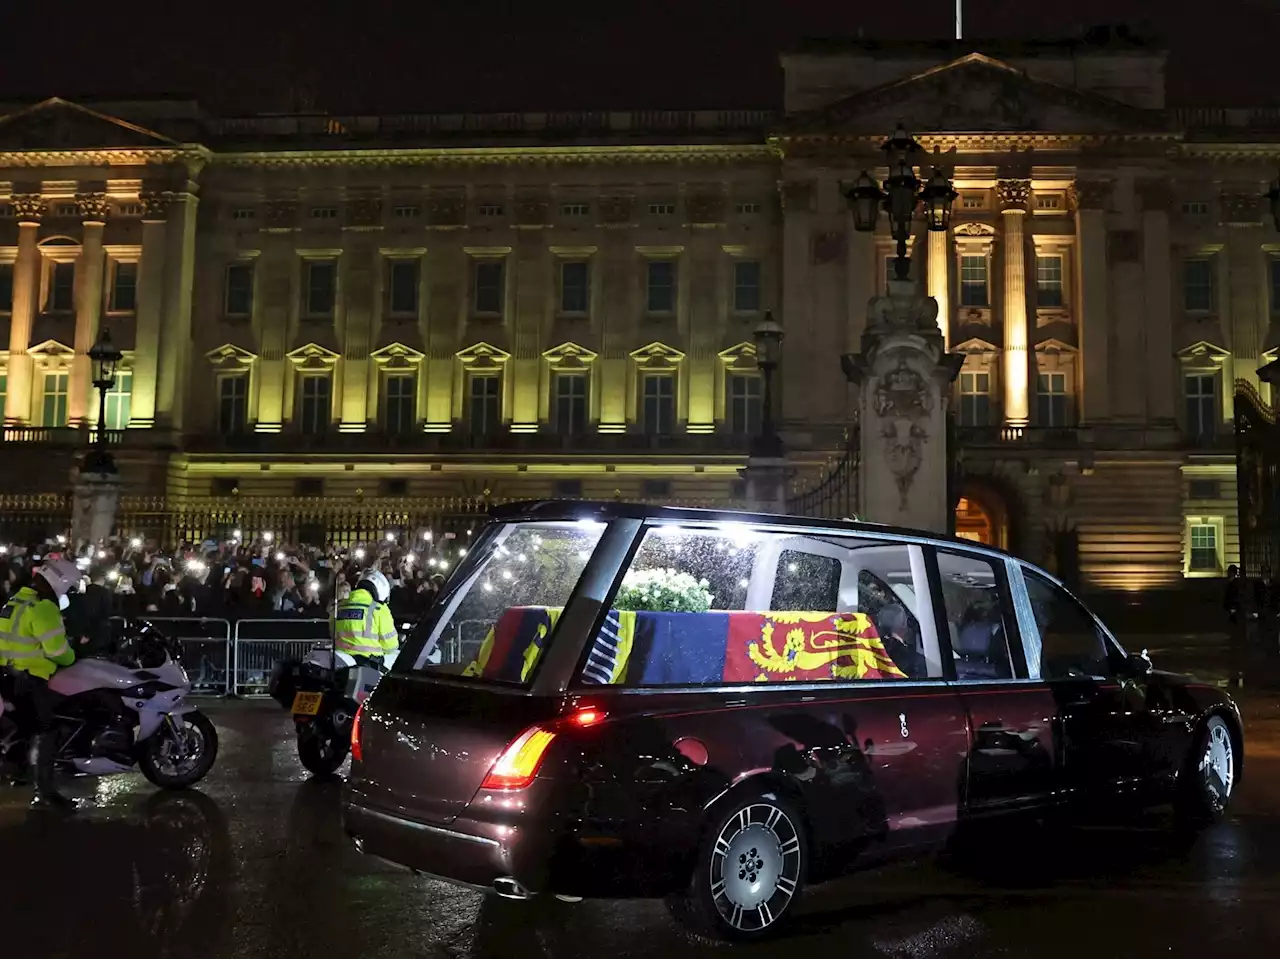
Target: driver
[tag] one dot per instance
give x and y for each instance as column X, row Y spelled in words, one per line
column 362, row 625
column 33, row 644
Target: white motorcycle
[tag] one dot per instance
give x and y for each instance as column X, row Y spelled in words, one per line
column 323, row 690
column 122, row 713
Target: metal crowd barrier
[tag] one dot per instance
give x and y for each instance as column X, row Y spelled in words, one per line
column 255, row 654
column 206, row 650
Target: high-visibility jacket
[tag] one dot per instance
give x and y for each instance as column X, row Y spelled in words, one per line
column 364, row 627
column 32, row 637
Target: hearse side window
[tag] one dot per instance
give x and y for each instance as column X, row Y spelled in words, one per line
column 975, row 617
column 515, row 583
column 1071, row 644
column 728, row 604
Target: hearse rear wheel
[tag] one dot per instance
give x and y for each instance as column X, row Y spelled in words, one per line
column 1209, row 777
column 749, row 873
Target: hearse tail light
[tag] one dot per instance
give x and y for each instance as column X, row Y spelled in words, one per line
column 588, row 717
column 518, row 764
column 357, row 752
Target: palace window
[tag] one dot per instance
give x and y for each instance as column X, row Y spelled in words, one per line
column 746, row 286
column 6, row 287
column 322, row 287
column 574, row 209
column 1201, row 392
column 403, row 288
column 324, row 213
column 62, row 288
column 243, row 213
column 746, row 208
column 658, row 416
column 1204, row 547
column 746, row 403
column 1195, row 207
column 661, row 286
column 120, row 401
column 973, row 201
column 975, row 399
column 54, row 400
column 1197, row 285
column 407, row 211
column 489, row 209
column 570, row 402
column 233, row 403
column 239, row 292
column 662, row 209
column 484, row 414
column 124, row 288
column 315, row 408
column 400, row 403
column 1052, row 401
column 973, row 280
column 489, row 287
column 1049, row 281
column 575, row 286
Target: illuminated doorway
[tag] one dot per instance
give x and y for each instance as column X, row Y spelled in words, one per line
column 981, row 517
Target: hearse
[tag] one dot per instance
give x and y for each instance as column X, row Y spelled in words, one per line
column 720, row 708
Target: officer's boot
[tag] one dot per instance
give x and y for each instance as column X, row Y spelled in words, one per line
column 43, row 750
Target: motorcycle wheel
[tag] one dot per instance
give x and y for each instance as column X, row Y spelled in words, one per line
column 169, row 773
column 322, row 753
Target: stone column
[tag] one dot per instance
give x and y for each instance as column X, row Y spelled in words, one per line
column 939, row 283
column 359, row 312
column 1241, row 302
column 149, row 309
column 1091, row 300
column 82, row 406
column 1157, row 254
column 274, row 327
column 29, row 208
column 1016, row 371
column 904, row 376
column 175, row 331
column 93, row 507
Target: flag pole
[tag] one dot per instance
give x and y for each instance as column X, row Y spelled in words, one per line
column 959, row 19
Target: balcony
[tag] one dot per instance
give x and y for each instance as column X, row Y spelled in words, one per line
column 377, row 443
column 70, row 437
column 1052, row 437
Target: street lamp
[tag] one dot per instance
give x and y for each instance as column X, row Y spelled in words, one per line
column 901, row 195
column 768, row 339
column 105, row 358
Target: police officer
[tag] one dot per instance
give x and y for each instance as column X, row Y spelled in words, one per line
column 33, row 644
column 363, row 627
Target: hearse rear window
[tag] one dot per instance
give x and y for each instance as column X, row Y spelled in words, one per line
column 514, row 586
column 730, row 604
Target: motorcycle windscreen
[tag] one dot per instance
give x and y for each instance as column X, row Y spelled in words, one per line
column 427, row 746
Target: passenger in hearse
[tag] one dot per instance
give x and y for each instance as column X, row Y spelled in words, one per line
column 895, row 633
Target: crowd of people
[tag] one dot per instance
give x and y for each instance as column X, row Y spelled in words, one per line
column 239, row 578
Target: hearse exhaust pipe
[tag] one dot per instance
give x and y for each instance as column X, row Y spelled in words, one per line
column 508, row 888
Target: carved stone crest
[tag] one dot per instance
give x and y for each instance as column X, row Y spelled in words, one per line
column 828, row 246
column 1013, row 194
column 705, row 209
column 28, row 207
column 280, row 214
column 364, row 211
column 94, row 207
column 617, row 210
column 904, row 451
column 447, row 211
column 974, row 228
column 902, row 392
column 966, row 105
column 902, row 399
column 797, row 195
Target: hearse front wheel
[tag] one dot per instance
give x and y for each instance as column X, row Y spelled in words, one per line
column 1209, row 778
column 749, row 872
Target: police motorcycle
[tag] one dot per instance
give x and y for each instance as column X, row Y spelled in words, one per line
column 124, row 712
column 323, row 690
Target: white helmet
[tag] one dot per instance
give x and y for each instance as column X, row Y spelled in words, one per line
column 61, row 574
column 375, row 578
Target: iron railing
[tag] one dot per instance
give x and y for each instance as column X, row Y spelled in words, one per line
column 836, row 495
column 1257, row 480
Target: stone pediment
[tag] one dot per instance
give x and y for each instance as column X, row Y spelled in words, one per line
column 975, row 346
column 1055, row 346
column 230, row 357
column 397, row 356
column 1203, row 355
column 57, row 124
column 313, row 356
column 975, row 94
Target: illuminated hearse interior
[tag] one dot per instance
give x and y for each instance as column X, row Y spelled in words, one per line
column 717, row 602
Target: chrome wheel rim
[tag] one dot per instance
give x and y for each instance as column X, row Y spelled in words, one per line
column 755, row 867
column 1217, row 764
column 179, row 758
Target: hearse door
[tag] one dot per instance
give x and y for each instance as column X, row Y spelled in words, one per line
column 1108, row 737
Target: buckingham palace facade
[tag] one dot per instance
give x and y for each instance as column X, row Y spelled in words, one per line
column 563, row 303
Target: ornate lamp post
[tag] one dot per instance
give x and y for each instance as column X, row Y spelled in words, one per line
column 105, row 358
column 901, row 195
column 768, row 339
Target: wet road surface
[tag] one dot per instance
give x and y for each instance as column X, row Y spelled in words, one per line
column 254, row 863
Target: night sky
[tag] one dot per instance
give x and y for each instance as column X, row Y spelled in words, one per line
column 380, row 56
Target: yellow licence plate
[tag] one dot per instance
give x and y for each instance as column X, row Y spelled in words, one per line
column 307, row 704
